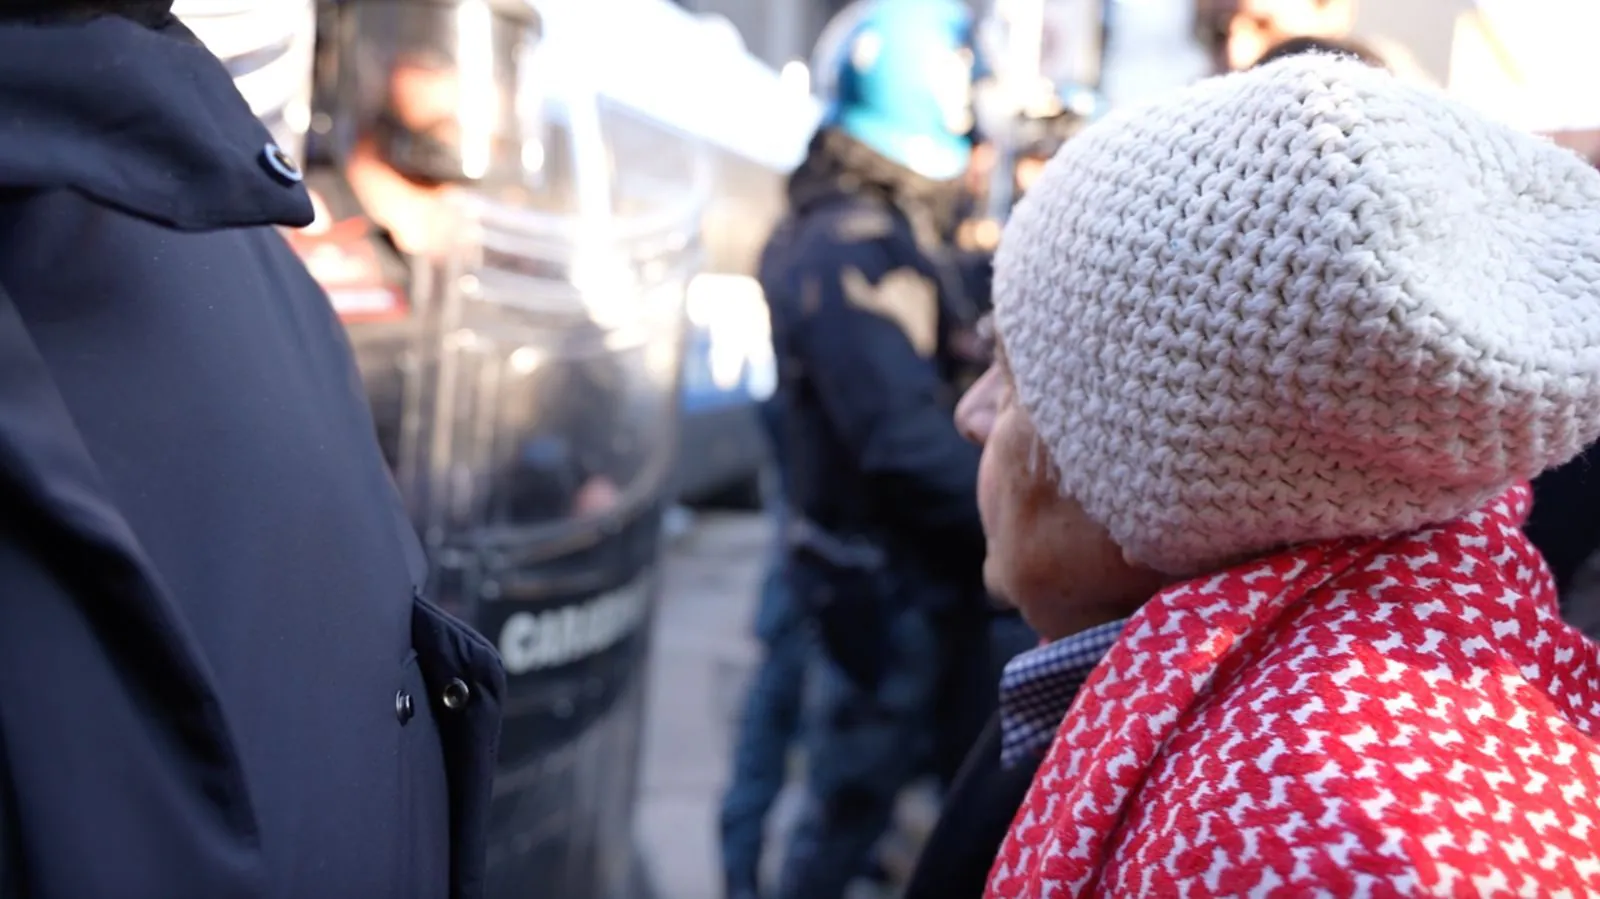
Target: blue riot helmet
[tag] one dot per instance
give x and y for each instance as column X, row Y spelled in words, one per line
column 897, row 76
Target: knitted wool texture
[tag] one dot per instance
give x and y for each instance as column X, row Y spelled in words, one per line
column 1302, row 302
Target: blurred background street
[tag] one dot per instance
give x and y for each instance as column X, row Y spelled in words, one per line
column 701, row 657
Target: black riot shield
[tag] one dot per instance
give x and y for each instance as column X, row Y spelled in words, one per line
column 523, row 378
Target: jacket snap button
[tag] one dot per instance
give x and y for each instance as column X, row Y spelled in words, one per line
column 403, row 708
column 456, row 693
column 280, row 165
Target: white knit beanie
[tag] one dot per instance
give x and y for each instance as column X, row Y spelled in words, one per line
column 1301, row 302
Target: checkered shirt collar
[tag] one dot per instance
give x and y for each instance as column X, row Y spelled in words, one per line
column 1038, row 686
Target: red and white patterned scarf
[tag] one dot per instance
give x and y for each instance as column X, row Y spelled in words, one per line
column 1363, row 718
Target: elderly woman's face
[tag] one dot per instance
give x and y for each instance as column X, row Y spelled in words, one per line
column 1045, row 556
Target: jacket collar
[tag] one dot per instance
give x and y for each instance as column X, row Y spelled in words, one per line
column 142, row 119
column 837, row 165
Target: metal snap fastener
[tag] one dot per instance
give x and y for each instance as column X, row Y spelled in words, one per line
column 403, row 707
column 281, row 165
column 456, row 693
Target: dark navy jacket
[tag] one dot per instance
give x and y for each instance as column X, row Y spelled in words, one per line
column 1565, row 526
column 861, row 317
column 218, row 681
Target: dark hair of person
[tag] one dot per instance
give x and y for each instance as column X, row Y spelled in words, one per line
column 1295, row 46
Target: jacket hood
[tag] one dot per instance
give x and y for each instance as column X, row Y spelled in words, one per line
column 143, row 119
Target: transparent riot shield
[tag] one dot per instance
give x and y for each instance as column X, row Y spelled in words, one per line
column 524, row 385
column 542, row 433
column 267, row 46
column 550, row 354
column 415, row 101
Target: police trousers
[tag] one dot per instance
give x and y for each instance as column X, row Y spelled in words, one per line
column 768, row 729
column 862, row 748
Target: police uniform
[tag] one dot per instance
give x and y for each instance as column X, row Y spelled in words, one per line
column 861, row 313
column 769, row 723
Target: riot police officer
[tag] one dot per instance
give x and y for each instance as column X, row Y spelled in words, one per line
column 884, row 540
column 393, row 152
column 525, row 399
